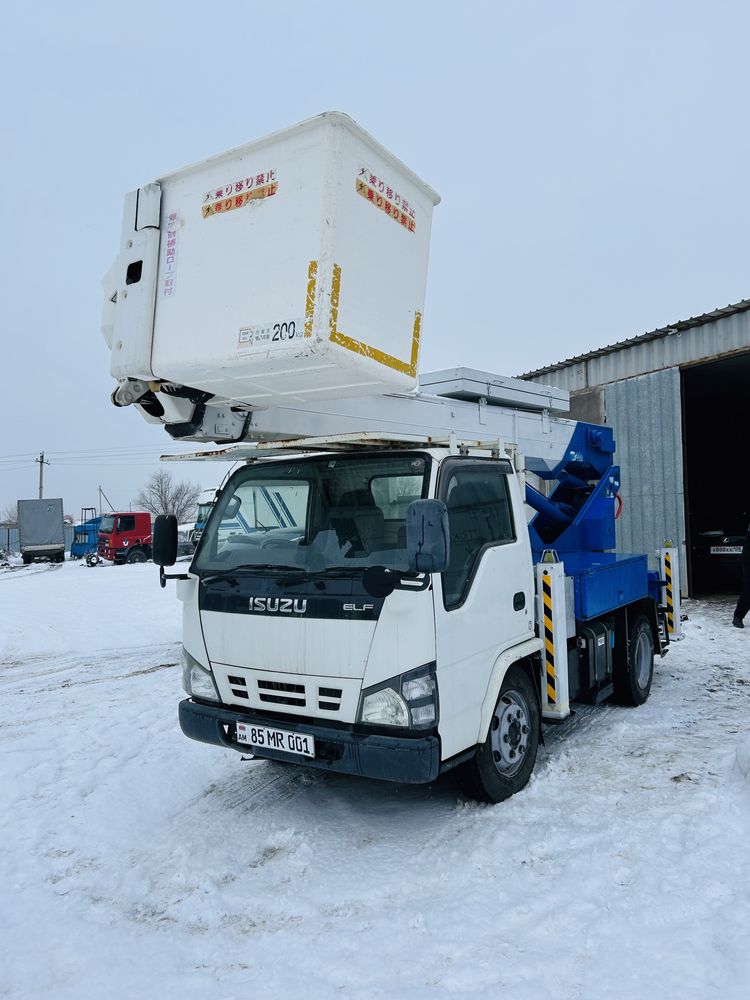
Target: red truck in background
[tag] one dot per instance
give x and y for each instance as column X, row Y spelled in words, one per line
column 125, row 537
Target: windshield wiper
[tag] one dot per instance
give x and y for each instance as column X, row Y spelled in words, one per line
column 332, row 572
column 246, row 570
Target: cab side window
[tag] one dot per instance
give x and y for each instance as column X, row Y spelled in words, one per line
column 479, row 515
column 126, row 522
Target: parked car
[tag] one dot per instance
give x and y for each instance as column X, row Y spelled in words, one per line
column 717, row 556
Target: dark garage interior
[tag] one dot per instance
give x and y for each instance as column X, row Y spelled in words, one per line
column 716, row 426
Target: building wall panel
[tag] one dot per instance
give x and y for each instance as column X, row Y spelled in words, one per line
column 646, row 415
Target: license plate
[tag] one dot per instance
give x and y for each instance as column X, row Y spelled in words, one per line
column 726, row 550
column 265, row 738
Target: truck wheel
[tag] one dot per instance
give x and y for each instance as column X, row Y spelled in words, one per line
column 633, row 681
column 136, row 556
column 27, row 559
column 504, row 762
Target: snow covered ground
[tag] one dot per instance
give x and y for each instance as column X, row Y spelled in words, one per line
column 138, row 864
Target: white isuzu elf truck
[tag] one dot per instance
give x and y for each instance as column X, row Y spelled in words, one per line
column 404, row 574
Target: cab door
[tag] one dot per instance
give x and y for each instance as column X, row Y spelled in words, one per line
column 484, row 600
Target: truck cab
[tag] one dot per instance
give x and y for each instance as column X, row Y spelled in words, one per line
column 205, row 503
column 291, row 651
column 310, row 638
column 125, row 537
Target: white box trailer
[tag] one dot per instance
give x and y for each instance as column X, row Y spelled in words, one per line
column 290, row 269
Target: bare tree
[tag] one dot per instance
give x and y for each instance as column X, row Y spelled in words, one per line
column 9, row 516
column 162, row 495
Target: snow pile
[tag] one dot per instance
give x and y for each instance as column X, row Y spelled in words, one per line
column 137, row 863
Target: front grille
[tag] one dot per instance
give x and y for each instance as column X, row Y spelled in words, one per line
column 286, row 694
column 257, row 689
column 239, row 687
column 329, row 699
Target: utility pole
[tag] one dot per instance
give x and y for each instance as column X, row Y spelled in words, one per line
column 103, row 494
column 42, row 463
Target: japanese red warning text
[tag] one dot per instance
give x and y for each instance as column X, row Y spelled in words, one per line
column 380, row 193
column 239, row 193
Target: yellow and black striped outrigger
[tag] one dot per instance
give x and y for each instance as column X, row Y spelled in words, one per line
column 670, row 594
column 669, row 565
column 552, row 632
column 549, row 638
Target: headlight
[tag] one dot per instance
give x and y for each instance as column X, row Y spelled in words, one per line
column 384, row 708
column 197, row 681
column 409, row 700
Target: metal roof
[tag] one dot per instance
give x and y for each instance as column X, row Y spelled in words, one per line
column 665, row 331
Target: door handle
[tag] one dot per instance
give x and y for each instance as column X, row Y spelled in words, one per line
column 519, row 601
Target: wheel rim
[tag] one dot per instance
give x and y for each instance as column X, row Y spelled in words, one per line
column 510, row 732
column 642, row 659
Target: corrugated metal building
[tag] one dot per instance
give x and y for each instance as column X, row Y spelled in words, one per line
column 679, row 401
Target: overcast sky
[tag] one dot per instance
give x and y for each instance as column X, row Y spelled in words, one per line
column 592, row 159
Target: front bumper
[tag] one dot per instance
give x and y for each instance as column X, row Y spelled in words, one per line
column 113, row 555
column 391, row 758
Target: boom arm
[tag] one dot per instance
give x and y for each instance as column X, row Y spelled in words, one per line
column 465, row 405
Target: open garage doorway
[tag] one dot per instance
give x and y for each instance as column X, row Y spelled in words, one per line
column 716, row 431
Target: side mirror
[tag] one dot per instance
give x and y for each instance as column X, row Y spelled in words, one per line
column 232, row 507
column 164, row 547
column 427, row 540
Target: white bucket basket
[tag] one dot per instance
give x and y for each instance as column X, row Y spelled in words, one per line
column 288, row 270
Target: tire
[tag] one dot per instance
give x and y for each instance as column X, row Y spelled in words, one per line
column 136, row 556
column 27, row 559
column 633, row 681
column 503, row 764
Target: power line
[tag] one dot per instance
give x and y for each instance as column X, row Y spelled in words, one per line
column 155, row 450
column 111, row 449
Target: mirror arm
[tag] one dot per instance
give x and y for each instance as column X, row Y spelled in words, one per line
column 163, row 577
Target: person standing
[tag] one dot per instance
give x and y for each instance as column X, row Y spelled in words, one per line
column 743, row 604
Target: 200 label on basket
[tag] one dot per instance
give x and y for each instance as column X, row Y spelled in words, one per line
column 265, row 738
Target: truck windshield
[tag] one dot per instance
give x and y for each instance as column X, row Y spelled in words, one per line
column 107, row 524
column 313, row 515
